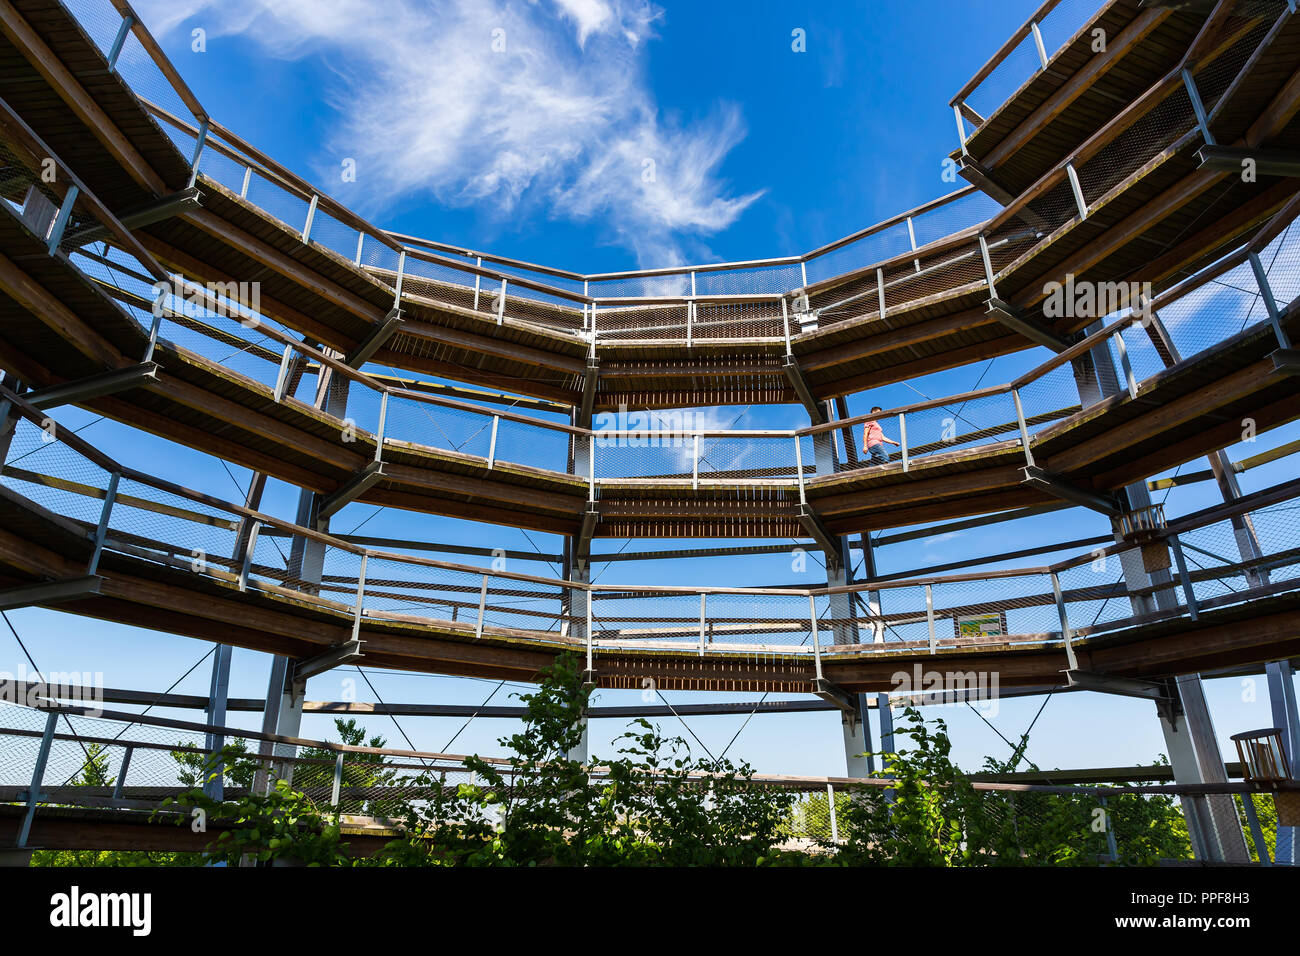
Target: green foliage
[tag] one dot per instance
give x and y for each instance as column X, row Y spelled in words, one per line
column 197, row 768
column 934, row 816
column 316, row 773
column 650, row 807
column 654, row 804
column 280, row 825
column 1266, row 814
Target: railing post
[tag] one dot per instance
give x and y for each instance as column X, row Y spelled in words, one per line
column 702, row 625
column 1038, row 42
column 60, row 223
column 361, row 241
column 988, row 266
column 961, row 127
column 880, row 290
column 1024, row 427
column 1193, row 609
column 401, row 272
column 1266, row 293
column 1125, row 364
column 501, row 302
column 902, row 440
column 311, row 214
column 246, row 564
column 38, row 777
column 830, row 803
column 101, row 532
column 336, row 791
column 248, row 180
column 492, row 443
column 591, row 637
column 798, row 464
column 1202, row 121
column 803, row 274
column 478, row 281
column 816, row 640
column 383, row 425
column 361, row 591
column 1071, row 661
column 1077, row 188
column 154, row 328
column 690, row 324
column 482, row 607
column 929, row 618
column 119, row 41
column 785, row 321
column 199, row 143
column 591, row 468
column 282, row 379
column 1256, row 831
column 1111, row 848
column 695, row 463
column 119, row 788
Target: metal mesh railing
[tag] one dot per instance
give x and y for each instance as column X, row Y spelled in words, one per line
column 77, row 757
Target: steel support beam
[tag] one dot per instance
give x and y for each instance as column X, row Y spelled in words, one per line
column 1016, row 321
column 1120, row 686
column 817, row 531
column 94, row 386
column 1060, row 488
column 177, row 204
column 800, row 385
column 51, row 592
column 375, row 339
column 218, row 694
column 1233, row 159
column 349, row 652
column 353, row 488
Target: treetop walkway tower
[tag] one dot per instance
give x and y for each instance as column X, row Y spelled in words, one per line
column 1132, row 187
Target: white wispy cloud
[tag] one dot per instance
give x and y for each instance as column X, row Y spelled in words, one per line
column 532, row 106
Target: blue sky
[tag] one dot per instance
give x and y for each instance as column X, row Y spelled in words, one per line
column 538, row 153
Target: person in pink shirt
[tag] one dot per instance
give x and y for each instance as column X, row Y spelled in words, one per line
column 874, row 440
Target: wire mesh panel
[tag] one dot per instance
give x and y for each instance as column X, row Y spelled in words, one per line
column 1215, row 311
column 756, row 280
column 995, row 608
column 1158, row 128
column 670, row 285
column 1020, row 65
column 442, row 283
column 533, row 445
column 895, row 613
column 99, row 19
column 741, row 621
column 1096, row 593
column 329, row 232
column 964, row 424
column 148, row 81
column 217, row 166
column 439, row 426
column 273, row 198
column 1041, row 398
column 886, row 243
column 230, row 339
column 49, row 473
column 420, row 590
column 649, row 619
column 173, row 528
column 526, row 606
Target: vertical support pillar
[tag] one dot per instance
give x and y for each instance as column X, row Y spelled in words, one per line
column 1282, row 702
column 218, row 693
column 1194, row 753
